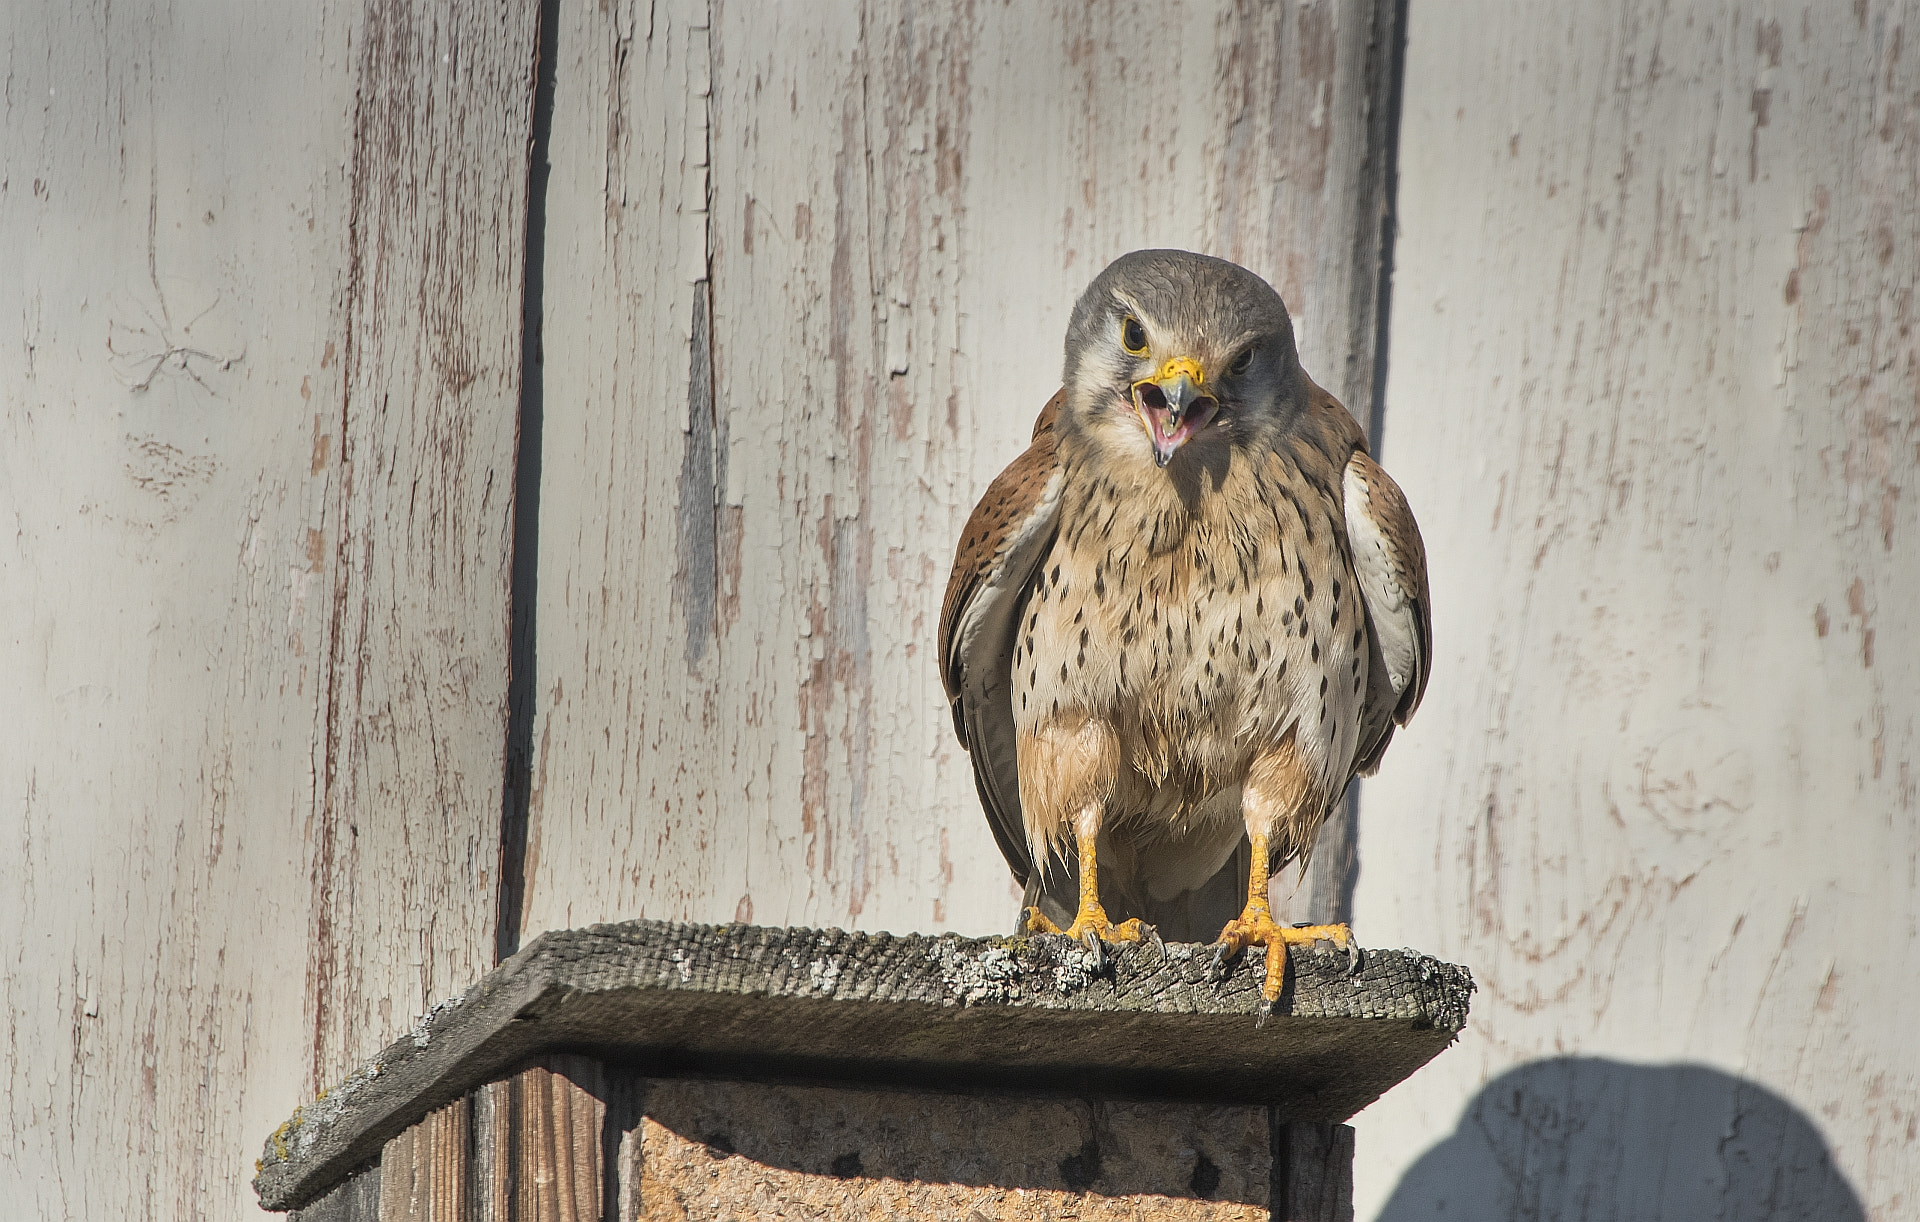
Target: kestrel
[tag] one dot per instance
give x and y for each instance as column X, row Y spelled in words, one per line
column 1183, row 620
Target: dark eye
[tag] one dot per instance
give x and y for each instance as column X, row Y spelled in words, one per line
column 1241, row 363
column 1133, row 336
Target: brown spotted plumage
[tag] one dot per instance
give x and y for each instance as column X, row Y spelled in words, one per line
column 1010, row 526
column 1184, row 619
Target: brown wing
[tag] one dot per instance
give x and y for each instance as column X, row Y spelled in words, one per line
column 1007, row 536
column 1390, row 563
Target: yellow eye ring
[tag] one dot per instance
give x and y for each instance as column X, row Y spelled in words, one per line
column 1133, row 336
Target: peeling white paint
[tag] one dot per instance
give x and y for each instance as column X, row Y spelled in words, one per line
column 1661, row 798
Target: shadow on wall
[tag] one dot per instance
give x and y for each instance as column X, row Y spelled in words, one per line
column 1604, row 1141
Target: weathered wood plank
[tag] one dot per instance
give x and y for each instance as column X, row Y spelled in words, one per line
column 1653, row 395
column 357, row 1199
column 413, row 714
column 168, row 335
column 1313, row 1172
column 541, row 1143
column 946, row 1013
column 425, row 1171
column 492, row 1172
column 623, row 1143
column 766, row 421
column 261, row 307
column 626, row 246
column 558, row 1169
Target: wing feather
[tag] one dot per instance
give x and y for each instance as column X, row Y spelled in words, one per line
column 1008, row 534
column 1390, row 562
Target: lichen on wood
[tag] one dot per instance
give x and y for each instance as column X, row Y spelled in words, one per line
column 1037, row 1014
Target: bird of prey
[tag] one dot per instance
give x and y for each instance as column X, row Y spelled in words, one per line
column 1183, row 620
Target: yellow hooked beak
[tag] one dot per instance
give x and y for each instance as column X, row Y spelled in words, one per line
column 1173, row 405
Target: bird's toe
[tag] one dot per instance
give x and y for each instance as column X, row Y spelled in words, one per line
column 1159, row 944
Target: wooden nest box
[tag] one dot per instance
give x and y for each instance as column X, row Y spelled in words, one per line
column 654, row 1070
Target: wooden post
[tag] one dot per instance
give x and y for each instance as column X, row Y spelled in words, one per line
column 715, row 1149
column 741, row 1071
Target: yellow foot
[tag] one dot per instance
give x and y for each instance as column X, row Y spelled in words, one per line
column 1090, row 921
column 1255, row 926
column 1090, row 924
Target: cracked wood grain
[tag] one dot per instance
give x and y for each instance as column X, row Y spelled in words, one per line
column 413, row 712
column 261, row 338
column 851, row 1009
column 424, row 1171
column 1653, row 390
column 824, row 263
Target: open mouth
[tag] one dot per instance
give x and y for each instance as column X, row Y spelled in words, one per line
column 1168, row 425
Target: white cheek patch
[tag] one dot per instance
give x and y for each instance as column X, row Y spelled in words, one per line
column 1119, row 431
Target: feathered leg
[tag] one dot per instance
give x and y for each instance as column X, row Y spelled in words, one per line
column 1067, row 772
column 1278, row 796
column 1090, row 922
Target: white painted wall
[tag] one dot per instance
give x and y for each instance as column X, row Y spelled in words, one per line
column 260, row 286
column 1653, row 396
column 259, row 339
column 739, row 714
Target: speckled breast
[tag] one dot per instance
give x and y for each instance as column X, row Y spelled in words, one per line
column 1202, row 640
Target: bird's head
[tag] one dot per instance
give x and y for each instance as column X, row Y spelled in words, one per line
column 1173, row 356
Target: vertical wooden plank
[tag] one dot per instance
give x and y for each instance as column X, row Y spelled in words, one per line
column 1312, row 1172
column 260, row 292
column 403, row 1176
column 819, row 262
column 492, row 1172
column 1653, row 395
column 542, row 1148
column 424, row 1172
column 413, row 715
column 357, row 1199
column 561, row 1171
column 555, row 1144
column 451, row 1188
column 624, row 1144
column 626, row 245
column 172, row 212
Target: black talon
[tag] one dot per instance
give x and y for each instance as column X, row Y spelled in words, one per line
column 1219, row 969
column 1158, row 944
column 1353, row 959
column 1261, row 1012
column 1092, row 942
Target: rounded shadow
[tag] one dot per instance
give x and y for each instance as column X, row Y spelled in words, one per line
column 1605, row 1141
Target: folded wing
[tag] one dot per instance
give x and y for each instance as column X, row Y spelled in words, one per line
column 1009, row 533
column 1390, row 562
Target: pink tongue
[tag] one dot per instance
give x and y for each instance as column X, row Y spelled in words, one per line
column 1162, row 420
